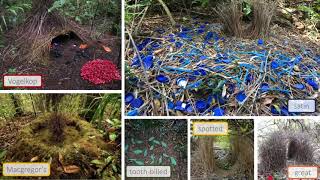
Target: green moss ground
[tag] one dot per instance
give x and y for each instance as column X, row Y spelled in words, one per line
column 82, row 144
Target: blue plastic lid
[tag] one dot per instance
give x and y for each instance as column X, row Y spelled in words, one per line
column 162, row 78
column 129, row 97
column 136, row 103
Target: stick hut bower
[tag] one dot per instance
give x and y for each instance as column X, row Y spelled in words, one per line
column 34, row 36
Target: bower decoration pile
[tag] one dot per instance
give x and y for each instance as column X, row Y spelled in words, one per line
column 192, row 69
column 100, row 71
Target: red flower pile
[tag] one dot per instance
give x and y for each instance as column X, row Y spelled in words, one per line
column 100, row 71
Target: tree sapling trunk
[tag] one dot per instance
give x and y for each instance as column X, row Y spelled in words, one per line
column 57, row 120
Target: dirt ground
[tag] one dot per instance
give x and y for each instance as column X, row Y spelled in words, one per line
column 9, row 130
column 171, row 138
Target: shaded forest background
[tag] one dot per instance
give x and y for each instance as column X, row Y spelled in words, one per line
column 103, row 15
column 301, row 15
column 15, row 105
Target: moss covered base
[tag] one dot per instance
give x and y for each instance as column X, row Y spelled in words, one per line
column 81, row 144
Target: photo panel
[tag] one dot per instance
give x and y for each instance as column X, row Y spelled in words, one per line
column 60, row 45
column 222, row 149
column 156, row 149
column 288, row 148
column 191, row 64
column 60, row 136
column 160, row 89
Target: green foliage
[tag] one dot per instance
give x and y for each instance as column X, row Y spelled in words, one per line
column 2, row 154
column 173, row 161
column 137, row 151
column 133, row 11
column 2, row 157
column 146, row 124
column 106, row 15
column 12, row 13
column 57, row 4
column 152, row 157
column 155, row 157
column 160, row 160
column 247, row 8
column 203, row 3
column 116, row 124
column 164, row 144
column 311, row 16
column 226, row 166
column 107, row 100
column 155, row 142
column 12, row 71
column 113, row 136
column 7, row 110
column 223, row 141
column 312, row 12
column 71, row 104
column 97, row 162
column 137, row 162
column 108, row 166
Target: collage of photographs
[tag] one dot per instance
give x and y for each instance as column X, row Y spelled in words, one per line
column 160, row 89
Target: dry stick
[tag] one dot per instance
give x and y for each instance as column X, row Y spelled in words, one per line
column 155, row 38
column 258, row 83
column 132, row 23
column 166, row 102
column 140, row 22
column 165, row 7
column 163, row 88
column 144, row 70
column 196, row 12
column 94, row 18
column 133, row 19
column 193, row 104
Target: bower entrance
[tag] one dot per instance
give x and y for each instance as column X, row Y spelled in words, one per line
column 292, row 150
column 223, row 152
column 65, row 38
column 224, row 157
column 80, row 145
column 42, row 28
column 65, row 48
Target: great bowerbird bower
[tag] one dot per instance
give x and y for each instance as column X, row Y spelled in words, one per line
column 285, row 143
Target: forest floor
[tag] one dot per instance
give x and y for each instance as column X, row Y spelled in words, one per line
column 65, row 63
column 191, row 66
column 175, row 147
column 9, row 130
